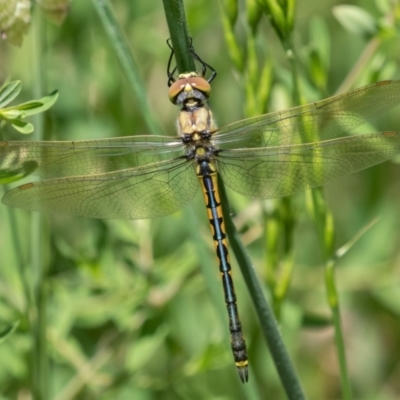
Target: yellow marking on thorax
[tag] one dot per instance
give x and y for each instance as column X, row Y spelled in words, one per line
column 196, row 121
column 200, row 151
column 190, row 122
column 196, row 136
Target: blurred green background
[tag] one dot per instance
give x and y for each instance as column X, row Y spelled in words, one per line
column 129, row 313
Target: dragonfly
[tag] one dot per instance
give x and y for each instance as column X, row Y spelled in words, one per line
column 145, row 176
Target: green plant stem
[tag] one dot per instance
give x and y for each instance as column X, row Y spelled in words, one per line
column 21, row 264
column 175, row 12
column 359, row 66
column 271, row 332
column 333, row 301
column 178, row 30
column 291, row 56
column 287, row 220
column 40, row 383
column 323, row 222
column 369, row 50
column 205, row 261
column 270, row 329
column 266, row 317
column 125, row 57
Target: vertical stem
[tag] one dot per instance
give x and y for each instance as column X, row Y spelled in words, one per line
column 177, row 26
column 38, row 312
column 282, row 361
column 333, row 300
column 19, row 255
column 323, row 221
column 287, row 220
column 288, row 46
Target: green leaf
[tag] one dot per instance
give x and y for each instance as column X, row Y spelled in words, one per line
column 22, row 126
column 8, row 331
column 145, row 350
column 37, row 106
column 313, row 320
column 10, row 113
column 18, row 124
column 230, row 8
column 30, row 105
column 356, row 20
column 9, row 92
column 321, row 41
column 15, row 114
column 346, row 247
column 273, row 9
column 253, row 14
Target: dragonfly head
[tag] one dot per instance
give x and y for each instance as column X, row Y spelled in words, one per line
column 189, row 86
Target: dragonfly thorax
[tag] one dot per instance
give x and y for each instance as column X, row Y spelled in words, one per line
column 196, row 127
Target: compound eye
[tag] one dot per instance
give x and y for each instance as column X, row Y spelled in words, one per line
column 188, row 83
column 176, row 88
column 199, row 83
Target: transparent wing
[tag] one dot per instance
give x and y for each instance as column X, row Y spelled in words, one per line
column 281, row 171
column 323, row 120
column 144, row 192
column 58, row 159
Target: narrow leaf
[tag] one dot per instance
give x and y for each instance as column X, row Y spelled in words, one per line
column 316, row 321
column 8, row 331
column 10, row 113
column 22, row 126
column 40, row 105
column 9, row 92
column 356, row 20
column 30, row 105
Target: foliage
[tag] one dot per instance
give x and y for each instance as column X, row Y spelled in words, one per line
column 128, row 313
column 15, row 114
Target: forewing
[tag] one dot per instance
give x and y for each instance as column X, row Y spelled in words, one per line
column 323, row 120
column 144, row 192
column 58, row 159
column 281, row 171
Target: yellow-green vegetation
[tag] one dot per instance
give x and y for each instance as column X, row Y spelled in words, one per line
column 114, row 309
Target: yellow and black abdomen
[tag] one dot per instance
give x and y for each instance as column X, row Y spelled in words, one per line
column 208, row 180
